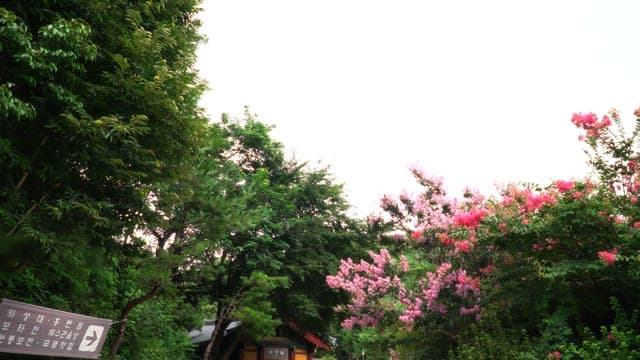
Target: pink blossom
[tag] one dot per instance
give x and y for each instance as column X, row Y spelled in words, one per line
column 608, row 257
column 564, row 186
column 577, row 195
column 404, row 264
column 463, row 246
column 582, row 120
column 412, row 311
column 381, row 259
column 348, row 323
column 466, row 284
column 634, row 200
column 387, row 201
column 444, row 239
column 417, row 236
column 470, row 219
column 436, row 282
column 374, row 220
column 636, row 225
column 393, row 355
column 365, row 282
column 614, row 113
column 364, row 321
column 589, row 122
column 472, row 237
column 472, row 310
column 473, row 197
column 488, row 269
column 535, row 202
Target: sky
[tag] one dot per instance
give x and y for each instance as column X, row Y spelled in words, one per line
column 477, row 92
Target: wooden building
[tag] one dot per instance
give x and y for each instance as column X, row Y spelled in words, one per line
column 290, row 343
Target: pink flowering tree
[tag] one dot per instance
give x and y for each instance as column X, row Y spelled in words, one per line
column 426, row 239
column 541, row 260
column 373, row 286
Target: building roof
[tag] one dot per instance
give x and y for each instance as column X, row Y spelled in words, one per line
column 202, row 335
column 309, row 336
column 315, row 340
column 198, row 336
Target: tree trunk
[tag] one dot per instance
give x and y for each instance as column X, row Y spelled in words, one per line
column 224, row 316
column 216, row 338
column 26, row 173
column 123, row 318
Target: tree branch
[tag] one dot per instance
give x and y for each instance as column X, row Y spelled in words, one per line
column 35, row 206
column 26, row 173
column 124, row 317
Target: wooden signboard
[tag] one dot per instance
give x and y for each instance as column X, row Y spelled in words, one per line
column 276, row 353
column 37, row 330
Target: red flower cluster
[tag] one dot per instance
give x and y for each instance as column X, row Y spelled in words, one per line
column 470, row 219
column 608, row 257
column 590, row 123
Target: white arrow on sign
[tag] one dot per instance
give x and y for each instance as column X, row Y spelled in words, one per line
column 91, row 336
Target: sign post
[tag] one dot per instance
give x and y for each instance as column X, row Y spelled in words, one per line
column 37, row 330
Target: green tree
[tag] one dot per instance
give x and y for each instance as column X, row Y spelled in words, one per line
column 318, row 233
column 98, row 108
column 295, row 229
column 94, row 109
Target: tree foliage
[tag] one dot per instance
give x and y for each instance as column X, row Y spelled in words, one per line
column 291, row 226
column 98, row 106
column 91, row 117
column 529, row 274
column 119, row 199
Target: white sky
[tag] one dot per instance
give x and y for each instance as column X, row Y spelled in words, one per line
column 477, row 92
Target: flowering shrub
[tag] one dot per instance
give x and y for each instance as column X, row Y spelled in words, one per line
column 530, row 255
column 368, row 284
